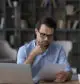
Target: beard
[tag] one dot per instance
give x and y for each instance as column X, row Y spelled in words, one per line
column 43, row 44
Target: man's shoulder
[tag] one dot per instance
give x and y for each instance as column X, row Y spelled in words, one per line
column 56, row 45
column 29, row 44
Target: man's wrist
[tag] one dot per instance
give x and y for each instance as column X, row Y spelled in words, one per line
column 30, row 59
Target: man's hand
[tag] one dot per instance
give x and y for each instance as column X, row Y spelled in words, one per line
column 63, row 76
column 36, row 51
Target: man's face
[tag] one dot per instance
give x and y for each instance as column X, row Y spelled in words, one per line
column 44, row 35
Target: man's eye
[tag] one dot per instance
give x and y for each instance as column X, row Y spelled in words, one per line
column 42, row 34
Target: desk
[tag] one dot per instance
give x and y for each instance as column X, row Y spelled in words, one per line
column 74, row 80
column 69, row 82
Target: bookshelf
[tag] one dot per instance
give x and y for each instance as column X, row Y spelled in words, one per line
column 30, row 11
column 20, row 21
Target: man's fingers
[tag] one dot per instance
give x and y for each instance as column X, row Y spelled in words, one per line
column 60, row 80
column 61, row 77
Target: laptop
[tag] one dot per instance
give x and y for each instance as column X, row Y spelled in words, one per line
column 11, row 73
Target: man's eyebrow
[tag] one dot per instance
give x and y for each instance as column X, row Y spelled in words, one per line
column 46, row 34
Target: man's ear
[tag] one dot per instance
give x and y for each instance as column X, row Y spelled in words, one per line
column 36, row 30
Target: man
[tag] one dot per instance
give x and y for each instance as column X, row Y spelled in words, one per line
column 43, row 50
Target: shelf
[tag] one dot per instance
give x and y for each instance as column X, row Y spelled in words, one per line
column 27, row 30
column 22, row 1
column 68, row 30
column 73, row 1
column 32, row 30
column 7, row 29
column 27, row 14
column 13, row 29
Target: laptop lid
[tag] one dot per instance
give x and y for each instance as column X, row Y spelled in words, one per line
column 15, row 73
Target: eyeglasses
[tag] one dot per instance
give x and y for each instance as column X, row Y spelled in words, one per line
column 42, row 35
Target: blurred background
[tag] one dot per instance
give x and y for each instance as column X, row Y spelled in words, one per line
column 19, row 17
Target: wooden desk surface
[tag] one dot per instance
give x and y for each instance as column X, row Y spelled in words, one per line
column 69, row 82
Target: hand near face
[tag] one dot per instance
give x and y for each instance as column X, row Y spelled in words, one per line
column 37, row 50
column 62, row 76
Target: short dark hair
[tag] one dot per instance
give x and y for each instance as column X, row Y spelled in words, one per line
column 48, row 21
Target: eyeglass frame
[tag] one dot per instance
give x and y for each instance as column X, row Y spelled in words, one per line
column 43, row 35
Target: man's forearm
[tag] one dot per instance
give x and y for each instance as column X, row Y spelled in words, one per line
column 36, row 51
column 29, row 60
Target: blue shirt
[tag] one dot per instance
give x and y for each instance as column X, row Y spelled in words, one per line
column 54, row 54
